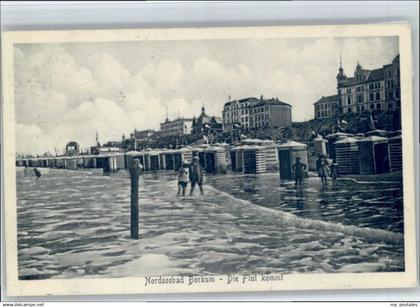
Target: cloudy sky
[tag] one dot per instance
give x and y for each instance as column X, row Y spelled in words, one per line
column 68, row 92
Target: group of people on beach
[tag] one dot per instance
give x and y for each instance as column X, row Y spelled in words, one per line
column 192, row 173
column 323, row 169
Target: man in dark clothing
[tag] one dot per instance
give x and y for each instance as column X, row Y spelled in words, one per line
column 196, row 175
column 298, row 169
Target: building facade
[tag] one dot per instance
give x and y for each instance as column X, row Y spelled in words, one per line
column 367, row 90
column 206, row 124
column 326, row 107
column 254, row 113
column 177, row 127
column 72, row 148
column 236, row 113
column 270, row 113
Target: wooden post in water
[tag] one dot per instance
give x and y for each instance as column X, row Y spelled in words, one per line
column 134, row 174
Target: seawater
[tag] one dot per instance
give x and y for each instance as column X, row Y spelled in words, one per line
column 74, row 224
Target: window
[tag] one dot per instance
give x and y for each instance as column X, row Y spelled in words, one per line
column 349, row 100
column 362, row 108
column 371, row 97
column 371, row 86
column 378, row 96
column 348, row 110
column 372, row 106
column 378, row 106
column 319, row 114
column 360, row 98
column 390, row 106
column 349, row 91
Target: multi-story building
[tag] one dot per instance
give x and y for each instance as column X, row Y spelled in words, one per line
column 270, row 113
column 254, row 113
column 326, row 107
column 236, row 113
column 368, row 90
column 142, row 135
column 176, row 127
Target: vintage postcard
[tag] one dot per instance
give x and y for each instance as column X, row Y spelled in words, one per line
column 208, row 159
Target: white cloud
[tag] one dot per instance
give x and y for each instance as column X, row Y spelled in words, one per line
column 65, row 94
column 32, row 140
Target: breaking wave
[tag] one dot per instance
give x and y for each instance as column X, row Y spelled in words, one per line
column 290, row 219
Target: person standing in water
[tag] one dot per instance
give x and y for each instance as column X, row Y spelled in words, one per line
column 323, row 169
column 299, row 169
column 196, row 175
column 182, row 179
column 334, row 173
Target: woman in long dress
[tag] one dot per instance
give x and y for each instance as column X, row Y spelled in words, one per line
column 323, row 169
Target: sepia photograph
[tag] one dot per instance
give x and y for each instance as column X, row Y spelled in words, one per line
column 195, row 160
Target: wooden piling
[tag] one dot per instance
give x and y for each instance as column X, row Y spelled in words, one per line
column 134, row 174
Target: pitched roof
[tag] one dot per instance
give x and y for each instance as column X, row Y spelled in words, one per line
column 248, row 99
column 376, row 74
column 218, row 120
column 331, row 98
column 337, row 134
column 292, row 144
column 272, row 101
column 347, row 141
column 373, row 138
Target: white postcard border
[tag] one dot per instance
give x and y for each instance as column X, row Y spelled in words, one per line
column 16, row 287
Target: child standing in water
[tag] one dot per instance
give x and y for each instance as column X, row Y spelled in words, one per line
column 323, row 169
column 182, row 179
